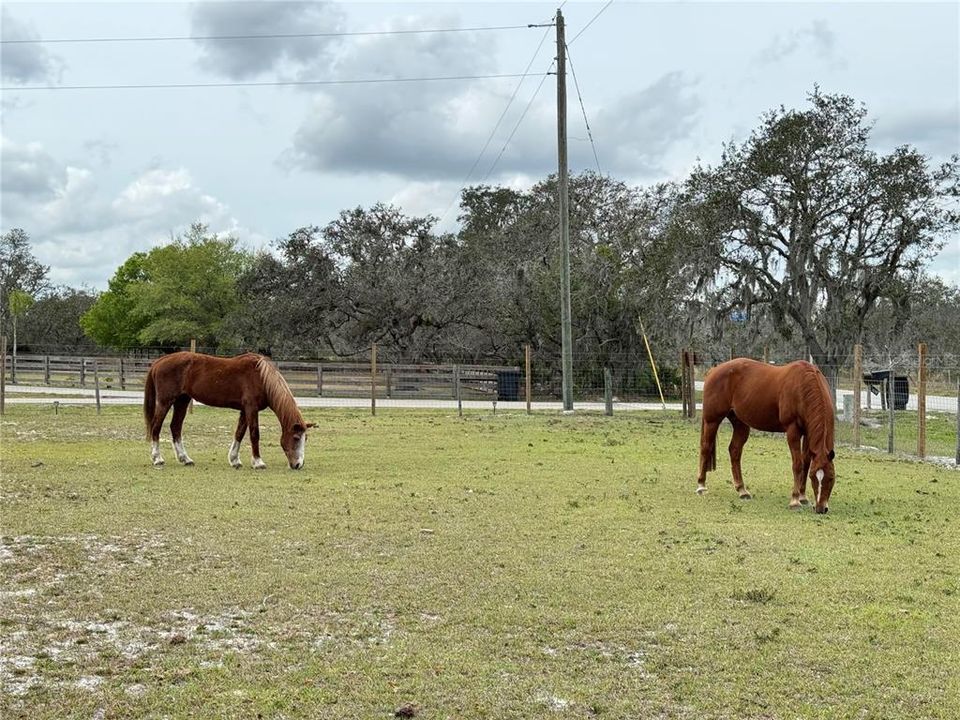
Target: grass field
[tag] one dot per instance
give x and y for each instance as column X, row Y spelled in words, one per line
column 487, row 567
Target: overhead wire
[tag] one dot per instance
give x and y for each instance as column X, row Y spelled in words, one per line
column 584, row 28
column 584, row 111
column 262, row 83
column 496, row 127
column 519, row 122
column 264, row 36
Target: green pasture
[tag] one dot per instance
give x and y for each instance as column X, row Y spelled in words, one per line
column 505, row 566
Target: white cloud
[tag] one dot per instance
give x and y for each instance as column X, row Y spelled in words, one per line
column 84, row 231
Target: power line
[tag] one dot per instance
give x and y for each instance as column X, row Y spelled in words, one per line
column 273, row 36
column 583, row 110
column 265, row 83
column 519, row 121
column 583, row 29
column 496, row 127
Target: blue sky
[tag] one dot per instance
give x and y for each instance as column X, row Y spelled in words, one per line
column 94, row 175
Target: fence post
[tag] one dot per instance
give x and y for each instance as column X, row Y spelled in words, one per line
column 683, row 383
column 123, row 380
column 319, row 379
column 83, row 372
column 688, row 384
column 456, row 389
column 46, row 369
column 857, row 382
column 3, row 374
column 890, row 405
column 13, row 367
column 193, row 345
column 389, row 381
column 373, row 379
column 922, row 400
column 527, row 363
column 96, row 383
column 607, row 392
column 958, row 422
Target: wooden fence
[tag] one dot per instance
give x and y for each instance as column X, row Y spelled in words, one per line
column 333, row 379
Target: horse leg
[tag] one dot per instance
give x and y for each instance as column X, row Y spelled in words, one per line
column 807, row 457
column 794, row 439
column 741, row 432
column 708, row 452
column 160, row 411
column 180, row 406
column 233, row 456
column 253, row 422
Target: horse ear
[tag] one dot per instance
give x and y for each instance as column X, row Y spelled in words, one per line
column 831, row 455
column 310, row 425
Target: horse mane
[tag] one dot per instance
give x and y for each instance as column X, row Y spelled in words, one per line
column 816, row 400
column 279, row 397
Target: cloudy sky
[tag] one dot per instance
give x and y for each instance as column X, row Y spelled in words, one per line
column 95, row 174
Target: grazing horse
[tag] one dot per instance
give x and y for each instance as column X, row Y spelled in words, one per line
column 248, row 383
column 793, row 399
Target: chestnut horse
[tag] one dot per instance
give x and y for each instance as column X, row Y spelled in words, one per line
column 793, row 399
column 248, row 383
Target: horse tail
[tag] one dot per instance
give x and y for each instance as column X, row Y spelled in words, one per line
column 710, row 459
column 149, row 400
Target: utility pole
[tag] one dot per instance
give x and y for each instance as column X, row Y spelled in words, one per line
column 565, row 323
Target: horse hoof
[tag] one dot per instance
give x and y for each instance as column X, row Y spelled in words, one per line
column 236, row 465
column 804, row 501
column 746, row 496
column 701, row 490
column 795, row 508
column 158, row 462
column 188, row 461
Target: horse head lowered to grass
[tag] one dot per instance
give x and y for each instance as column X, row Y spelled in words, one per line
column 248, row 383
column 792, row 399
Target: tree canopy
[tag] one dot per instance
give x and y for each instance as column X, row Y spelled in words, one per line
column 802, row 237
column 805, row 224
column 174, row 293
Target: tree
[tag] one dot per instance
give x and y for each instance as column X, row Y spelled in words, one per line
column 19, row 269
column 113, row 320
column 626, row 260
column 288, row 303
column 18, row 302
column 925, row 310
column 170, row 295
column 806, row 224
column 399, row 283
column 53, row 322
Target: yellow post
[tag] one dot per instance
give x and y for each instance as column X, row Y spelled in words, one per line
column 656, row 377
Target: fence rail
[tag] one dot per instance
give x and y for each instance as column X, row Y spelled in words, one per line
column 322, row 379
column 902, row 406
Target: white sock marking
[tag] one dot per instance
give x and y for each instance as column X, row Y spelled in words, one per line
column 233, row 455
column 155, row 453
column 181, row 452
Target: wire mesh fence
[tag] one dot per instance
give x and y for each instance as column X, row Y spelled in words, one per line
column 908, row 405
